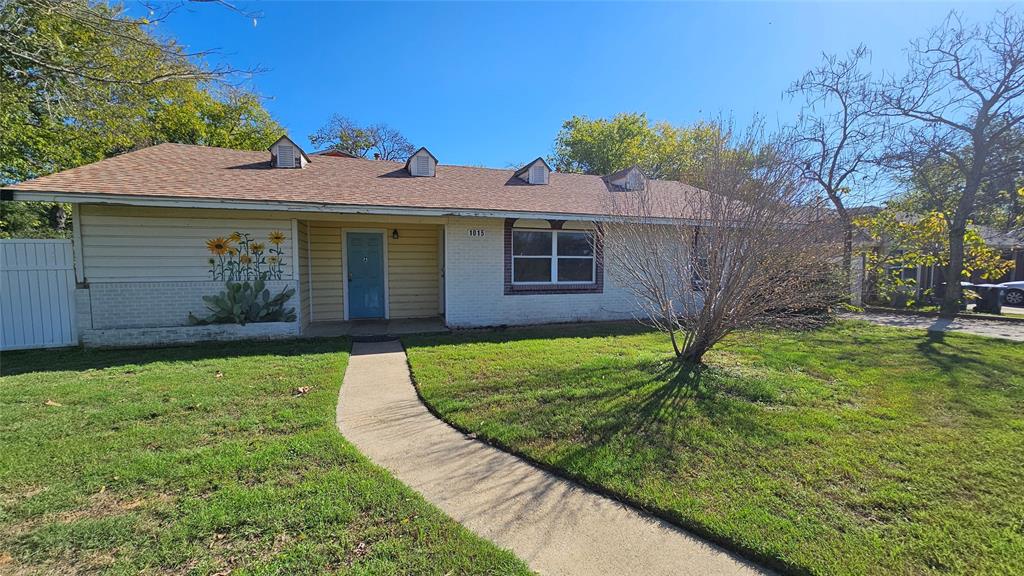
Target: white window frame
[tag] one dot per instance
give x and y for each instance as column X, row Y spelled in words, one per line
column 554, row 259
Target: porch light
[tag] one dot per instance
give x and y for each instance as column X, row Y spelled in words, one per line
column 394, row 234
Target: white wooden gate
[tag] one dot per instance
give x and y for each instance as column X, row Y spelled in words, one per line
column 37, row 294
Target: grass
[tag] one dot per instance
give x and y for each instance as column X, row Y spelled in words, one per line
column 205, row 460
column 856, row 449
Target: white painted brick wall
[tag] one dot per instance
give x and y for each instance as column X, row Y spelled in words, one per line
column 154, row 304
column 475, row 286
column 174, row 335
column 83, row 310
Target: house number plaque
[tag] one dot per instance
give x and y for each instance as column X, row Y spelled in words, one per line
column 476, row 232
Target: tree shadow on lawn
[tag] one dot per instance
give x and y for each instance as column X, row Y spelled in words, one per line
column 673, row 402
column 950, row 354
column 78, row 359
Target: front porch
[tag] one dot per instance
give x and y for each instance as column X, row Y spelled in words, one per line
column 370, row 275
column 376, row 328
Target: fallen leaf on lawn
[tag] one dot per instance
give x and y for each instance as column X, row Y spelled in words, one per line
column 301, row 390
column 52, row 403
column 103, row 489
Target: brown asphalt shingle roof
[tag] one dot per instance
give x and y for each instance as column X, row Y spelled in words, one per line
column 200, row 172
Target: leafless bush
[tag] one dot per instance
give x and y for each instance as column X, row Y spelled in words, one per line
column 746, row 249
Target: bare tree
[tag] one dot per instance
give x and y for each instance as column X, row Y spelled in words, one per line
column 382, row 141
column 960, row 102
column 745, row 250
column 839, row 135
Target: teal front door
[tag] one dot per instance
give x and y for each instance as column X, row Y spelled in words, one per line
column 365, row 254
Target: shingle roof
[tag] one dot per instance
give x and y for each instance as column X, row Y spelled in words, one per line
column 199, row 172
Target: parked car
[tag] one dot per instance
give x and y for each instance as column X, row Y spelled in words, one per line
column 1014, row 295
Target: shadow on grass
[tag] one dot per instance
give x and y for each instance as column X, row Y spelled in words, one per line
column 76, row 359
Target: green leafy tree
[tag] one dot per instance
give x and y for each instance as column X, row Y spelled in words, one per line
column 912, row 241
column 602, row 146
column 81, row 81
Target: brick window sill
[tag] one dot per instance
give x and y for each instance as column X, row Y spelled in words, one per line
column 554, row 289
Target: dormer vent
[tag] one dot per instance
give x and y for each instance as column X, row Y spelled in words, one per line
column 286, row 154
column 421, row 163
column 535, row 172
column 631, row 178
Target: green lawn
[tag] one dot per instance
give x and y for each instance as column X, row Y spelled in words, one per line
column 855, row 449
column 205, row 460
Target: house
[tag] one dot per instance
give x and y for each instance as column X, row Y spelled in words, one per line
column 156, row 230
column 929, row 281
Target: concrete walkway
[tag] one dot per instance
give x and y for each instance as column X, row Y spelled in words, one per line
column 555, row 525
column 980, row 327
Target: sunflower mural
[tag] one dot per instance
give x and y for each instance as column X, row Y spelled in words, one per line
column 240, row 257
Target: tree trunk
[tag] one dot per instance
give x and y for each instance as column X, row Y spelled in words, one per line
column 58, row 217
column 848, row 261
column 951, row 296
column 958, row 227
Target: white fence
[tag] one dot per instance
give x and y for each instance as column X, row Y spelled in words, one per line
column 37, row 294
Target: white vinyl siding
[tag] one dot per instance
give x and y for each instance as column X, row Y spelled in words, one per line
column 124, row 243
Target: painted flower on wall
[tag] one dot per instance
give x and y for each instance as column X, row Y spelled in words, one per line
column 239, row 257
column 218, row 246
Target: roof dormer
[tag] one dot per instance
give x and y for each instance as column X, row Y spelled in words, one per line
column 285, row 153
column 421, row 163
column 632, row 178
column 535, row 172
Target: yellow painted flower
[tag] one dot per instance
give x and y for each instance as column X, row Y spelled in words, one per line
column 276, row 237
column 233, row 251
column 272, row 260
column 256, row 248
column 235, row 237
column 245, row 259
column 218, row 246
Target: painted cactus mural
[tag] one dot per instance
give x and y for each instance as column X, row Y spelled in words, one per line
column 244, row 265
column 240, row 257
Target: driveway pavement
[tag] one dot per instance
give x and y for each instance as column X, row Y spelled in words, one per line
column 991, row 328
column 556, row 526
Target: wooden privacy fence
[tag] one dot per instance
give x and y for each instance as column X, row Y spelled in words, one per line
column 37, row 294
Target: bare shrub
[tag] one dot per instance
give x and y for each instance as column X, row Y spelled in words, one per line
column 747, row 248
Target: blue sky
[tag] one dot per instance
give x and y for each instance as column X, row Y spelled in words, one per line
column 491, row 83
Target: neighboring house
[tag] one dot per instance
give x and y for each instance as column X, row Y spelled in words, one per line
column 930, row 279
column 356, row 238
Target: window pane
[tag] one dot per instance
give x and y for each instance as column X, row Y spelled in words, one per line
column 575, row 270
column 531, row 243
column 575, row 244
column 531, row 269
